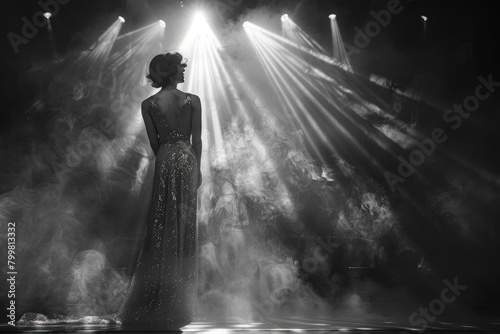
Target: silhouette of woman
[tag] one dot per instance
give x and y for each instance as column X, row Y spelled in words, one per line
column 162, row 293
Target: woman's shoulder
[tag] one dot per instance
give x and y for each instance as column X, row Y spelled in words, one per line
column 157, row 97
column 153, row 98
column 191, row 97
column 194, row 98
column 147, row 103
column 147, row 100
column 187, row 94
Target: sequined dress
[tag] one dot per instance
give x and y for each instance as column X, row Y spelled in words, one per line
column 162, row 293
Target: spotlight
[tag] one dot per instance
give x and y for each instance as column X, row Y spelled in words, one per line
column 121, row 19
column 199, row 16
column 284, row 17
column 47, row 15
column 424, row 18
column 246, row 24
column 162, row 23
column 332, row 16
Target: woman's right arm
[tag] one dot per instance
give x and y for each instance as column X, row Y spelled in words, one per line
column 150, row 126
column 196, row 131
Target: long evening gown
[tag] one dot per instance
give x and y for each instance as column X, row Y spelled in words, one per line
column 162, row 292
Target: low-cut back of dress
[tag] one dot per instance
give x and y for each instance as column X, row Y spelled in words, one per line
column 162, row 293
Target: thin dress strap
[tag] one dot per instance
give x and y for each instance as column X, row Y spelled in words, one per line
column 166, row 133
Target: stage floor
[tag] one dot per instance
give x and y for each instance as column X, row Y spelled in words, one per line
column 351, row 324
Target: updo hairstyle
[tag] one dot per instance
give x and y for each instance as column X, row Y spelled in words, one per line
column 163, row 68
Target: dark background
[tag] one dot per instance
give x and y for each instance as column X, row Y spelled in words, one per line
column 461, row 44
column 461, row 40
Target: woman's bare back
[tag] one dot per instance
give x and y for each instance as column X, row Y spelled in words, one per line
column 170, row 104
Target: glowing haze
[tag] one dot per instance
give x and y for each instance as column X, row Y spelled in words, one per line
column 295, row 144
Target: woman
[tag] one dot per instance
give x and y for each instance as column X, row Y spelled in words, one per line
column 162, row 293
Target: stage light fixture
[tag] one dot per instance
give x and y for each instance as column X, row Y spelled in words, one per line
column 284, row 17
column 47, row 15
column 121, row 19
column 162, row 23
column 246, row 24
column 424, row 18
column 332, row 16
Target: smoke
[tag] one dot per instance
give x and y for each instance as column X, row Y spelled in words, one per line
column 278, row 228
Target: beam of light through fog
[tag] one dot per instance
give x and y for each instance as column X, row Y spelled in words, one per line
column 281, row 119
column 286, row 70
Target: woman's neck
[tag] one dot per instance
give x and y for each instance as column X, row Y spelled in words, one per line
column 170, row 87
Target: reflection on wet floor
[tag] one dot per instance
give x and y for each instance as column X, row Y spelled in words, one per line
column 345, row 323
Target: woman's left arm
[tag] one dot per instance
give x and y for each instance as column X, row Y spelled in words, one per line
column 150, row 126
